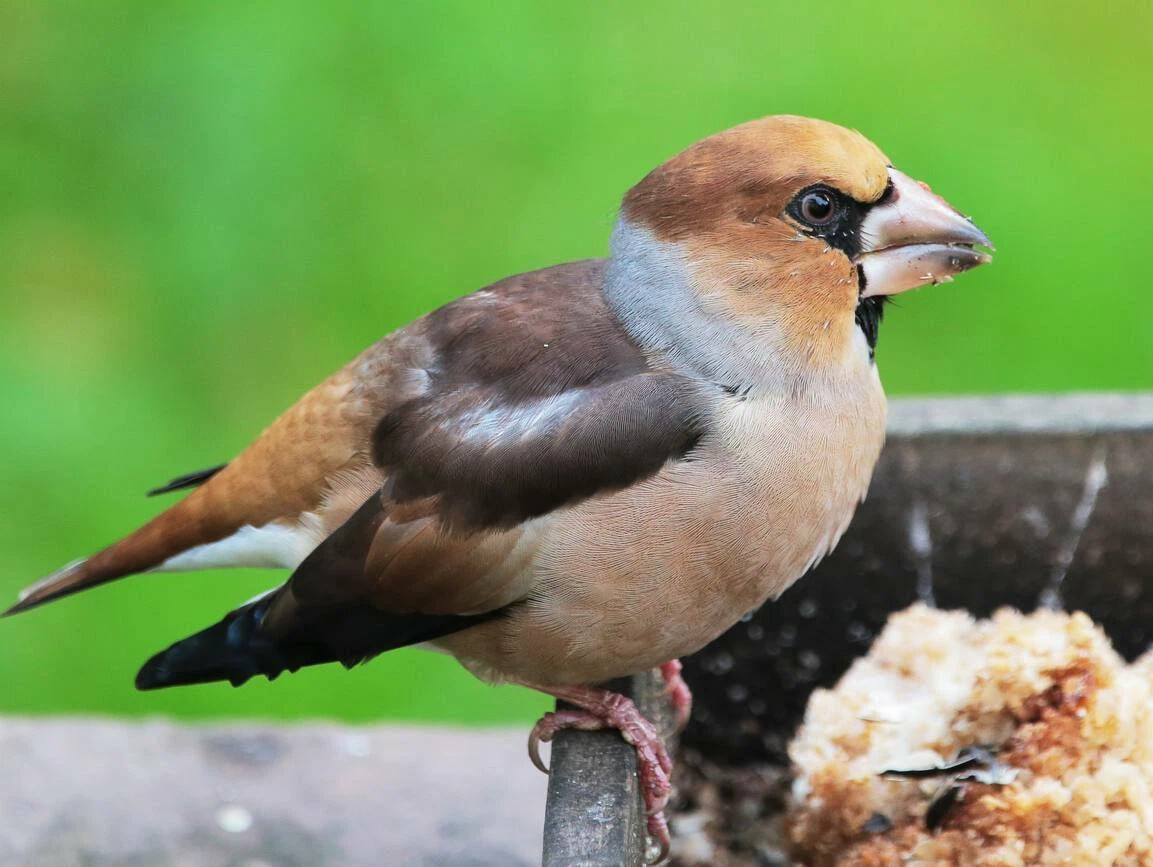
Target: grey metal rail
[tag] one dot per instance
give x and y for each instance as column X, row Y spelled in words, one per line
column 594, row 815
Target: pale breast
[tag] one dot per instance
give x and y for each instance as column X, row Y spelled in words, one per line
column 627, row 581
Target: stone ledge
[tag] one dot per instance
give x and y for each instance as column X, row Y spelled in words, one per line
column 107, row 792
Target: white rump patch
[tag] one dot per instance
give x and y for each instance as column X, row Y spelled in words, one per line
column 273, row 546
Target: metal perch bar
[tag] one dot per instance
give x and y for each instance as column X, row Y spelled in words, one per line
column 594, row 815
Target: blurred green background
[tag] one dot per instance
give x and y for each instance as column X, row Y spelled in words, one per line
column 207, row 207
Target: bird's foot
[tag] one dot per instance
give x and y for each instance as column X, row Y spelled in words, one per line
column 678, row 691
column 600, row 709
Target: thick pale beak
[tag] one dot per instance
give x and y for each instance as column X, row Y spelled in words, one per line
column 913, row 237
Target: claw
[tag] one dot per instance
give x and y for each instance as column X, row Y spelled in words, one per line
column 551, row 723
column 598, row 708
column 659, row 834
column 534, row 752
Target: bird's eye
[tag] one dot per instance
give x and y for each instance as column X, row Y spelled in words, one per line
column 818, row 208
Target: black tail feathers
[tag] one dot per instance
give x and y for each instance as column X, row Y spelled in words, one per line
column 237, row 649
column 234, row 649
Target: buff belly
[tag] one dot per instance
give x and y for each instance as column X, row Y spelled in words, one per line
column 629, row 581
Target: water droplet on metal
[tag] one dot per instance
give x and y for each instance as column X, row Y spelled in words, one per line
column 234, row 819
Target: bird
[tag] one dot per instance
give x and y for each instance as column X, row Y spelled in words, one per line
column 582, row 472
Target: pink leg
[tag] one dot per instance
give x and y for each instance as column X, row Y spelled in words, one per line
column 600, row 709
column 679, row 693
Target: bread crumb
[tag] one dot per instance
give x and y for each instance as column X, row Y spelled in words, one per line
column 1068, row 723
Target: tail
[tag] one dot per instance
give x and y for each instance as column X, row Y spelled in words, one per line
column 251, row 640
column 234, row 650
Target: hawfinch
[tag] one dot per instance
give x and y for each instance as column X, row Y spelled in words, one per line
column 579, row 473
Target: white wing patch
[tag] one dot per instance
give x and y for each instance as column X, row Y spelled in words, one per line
column 273, row 546
column 490, row 426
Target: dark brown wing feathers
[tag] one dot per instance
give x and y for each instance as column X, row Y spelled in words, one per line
column 537, row 398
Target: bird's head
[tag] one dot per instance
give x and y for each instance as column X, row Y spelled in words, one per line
column 794, row 230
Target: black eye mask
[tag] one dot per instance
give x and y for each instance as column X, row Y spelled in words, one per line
column 842, row 231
